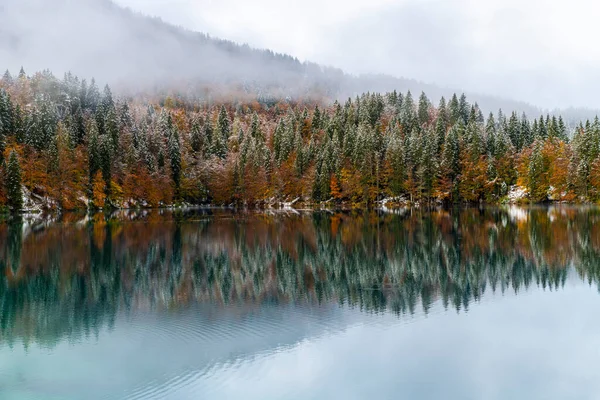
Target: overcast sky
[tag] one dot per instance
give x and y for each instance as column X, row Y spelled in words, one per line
column 541, row 51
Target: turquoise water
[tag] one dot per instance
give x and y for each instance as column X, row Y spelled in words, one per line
column 466, row 304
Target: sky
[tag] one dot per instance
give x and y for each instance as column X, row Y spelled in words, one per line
column 539, row 51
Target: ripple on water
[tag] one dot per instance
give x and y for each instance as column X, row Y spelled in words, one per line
column 217, row 343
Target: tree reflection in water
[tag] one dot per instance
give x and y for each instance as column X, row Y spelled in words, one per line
column 73, row 276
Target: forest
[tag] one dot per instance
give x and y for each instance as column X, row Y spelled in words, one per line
column 67, row 144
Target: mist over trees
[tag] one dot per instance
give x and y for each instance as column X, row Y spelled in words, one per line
column 135, row 53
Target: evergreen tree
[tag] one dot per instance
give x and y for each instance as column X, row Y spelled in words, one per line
column 408, row 119
column 514, row 131
column 475, row 144
column 106, row 159
column 451, row 155
column 77, row 128
column 423, row 110
column 542, row 128
column 93, row 97
column 527, row 136
column 175, row 159
column 464, row 107
column 562, row 130
column 255, row 130
column 196, row 139
column 2, row 143
column 19, row 125
column 454, row 108
column 224, row 124
column 13, row 183
column 111, row 127
column 316, row 121
column 490, row 135
column 7, row 78
column 537, row 175
column 94, row 163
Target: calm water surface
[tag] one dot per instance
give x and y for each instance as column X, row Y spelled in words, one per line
column 464, row 304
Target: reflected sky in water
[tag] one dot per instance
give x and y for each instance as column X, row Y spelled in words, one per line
column 466, row 304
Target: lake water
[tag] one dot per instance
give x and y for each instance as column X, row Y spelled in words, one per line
column 462, row 304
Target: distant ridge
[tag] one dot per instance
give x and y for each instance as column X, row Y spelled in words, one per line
column 127, row 49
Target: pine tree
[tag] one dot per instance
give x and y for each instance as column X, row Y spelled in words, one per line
column 475, row 144
column 6, row 113
column 7, row 78
column 542, row 128
column 196, row 139
column 395, row 158
column 106, row 159
column 175, row 159
column 527, row 136
column 537, row 175
column 19, row 125
column 255, row 130
column 490, row 135
column 562, row 130
column 316, row 121
column 451, row 155
column 2, row 143
column 77, row 128
column 423, row 110
column 408, row 118
column 278, row 140
column 454, row 108
column 464, row 107
column 111, row 127
column 224, row 124
column 93, row 97
column 514, row 131
column 94, row 163
column 13, row 183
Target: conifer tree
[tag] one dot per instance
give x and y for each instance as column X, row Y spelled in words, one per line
column 490, row 135
column 454, row 108
column 13, row 183
column 526, row 134
column 537, row 175
column 316, row 121
column 451, row 155
column 196, row 140
column 514, row 131
column 423, row 110
column 224, row 124
column 464, row 107
column 562, row 130
column 175, row 159
column 2, row 143
column 408, row 119
column 7, row 78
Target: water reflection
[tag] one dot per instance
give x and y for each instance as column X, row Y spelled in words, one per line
column 72, row 277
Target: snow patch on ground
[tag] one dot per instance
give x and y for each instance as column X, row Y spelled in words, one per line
column 517, row 194
column 393, row 205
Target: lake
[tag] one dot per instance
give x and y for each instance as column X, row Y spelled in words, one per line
column 490, row 303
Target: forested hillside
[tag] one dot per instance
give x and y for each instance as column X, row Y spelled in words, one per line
column 74, row 145
column 133, row 52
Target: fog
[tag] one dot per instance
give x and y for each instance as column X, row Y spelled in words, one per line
column 539, row 51
column 430, row 41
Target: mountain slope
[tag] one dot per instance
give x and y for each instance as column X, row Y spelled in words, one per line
column 116, row 45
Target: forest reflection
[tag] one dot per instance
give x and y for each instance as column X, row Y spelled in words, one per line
column 73, row 276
